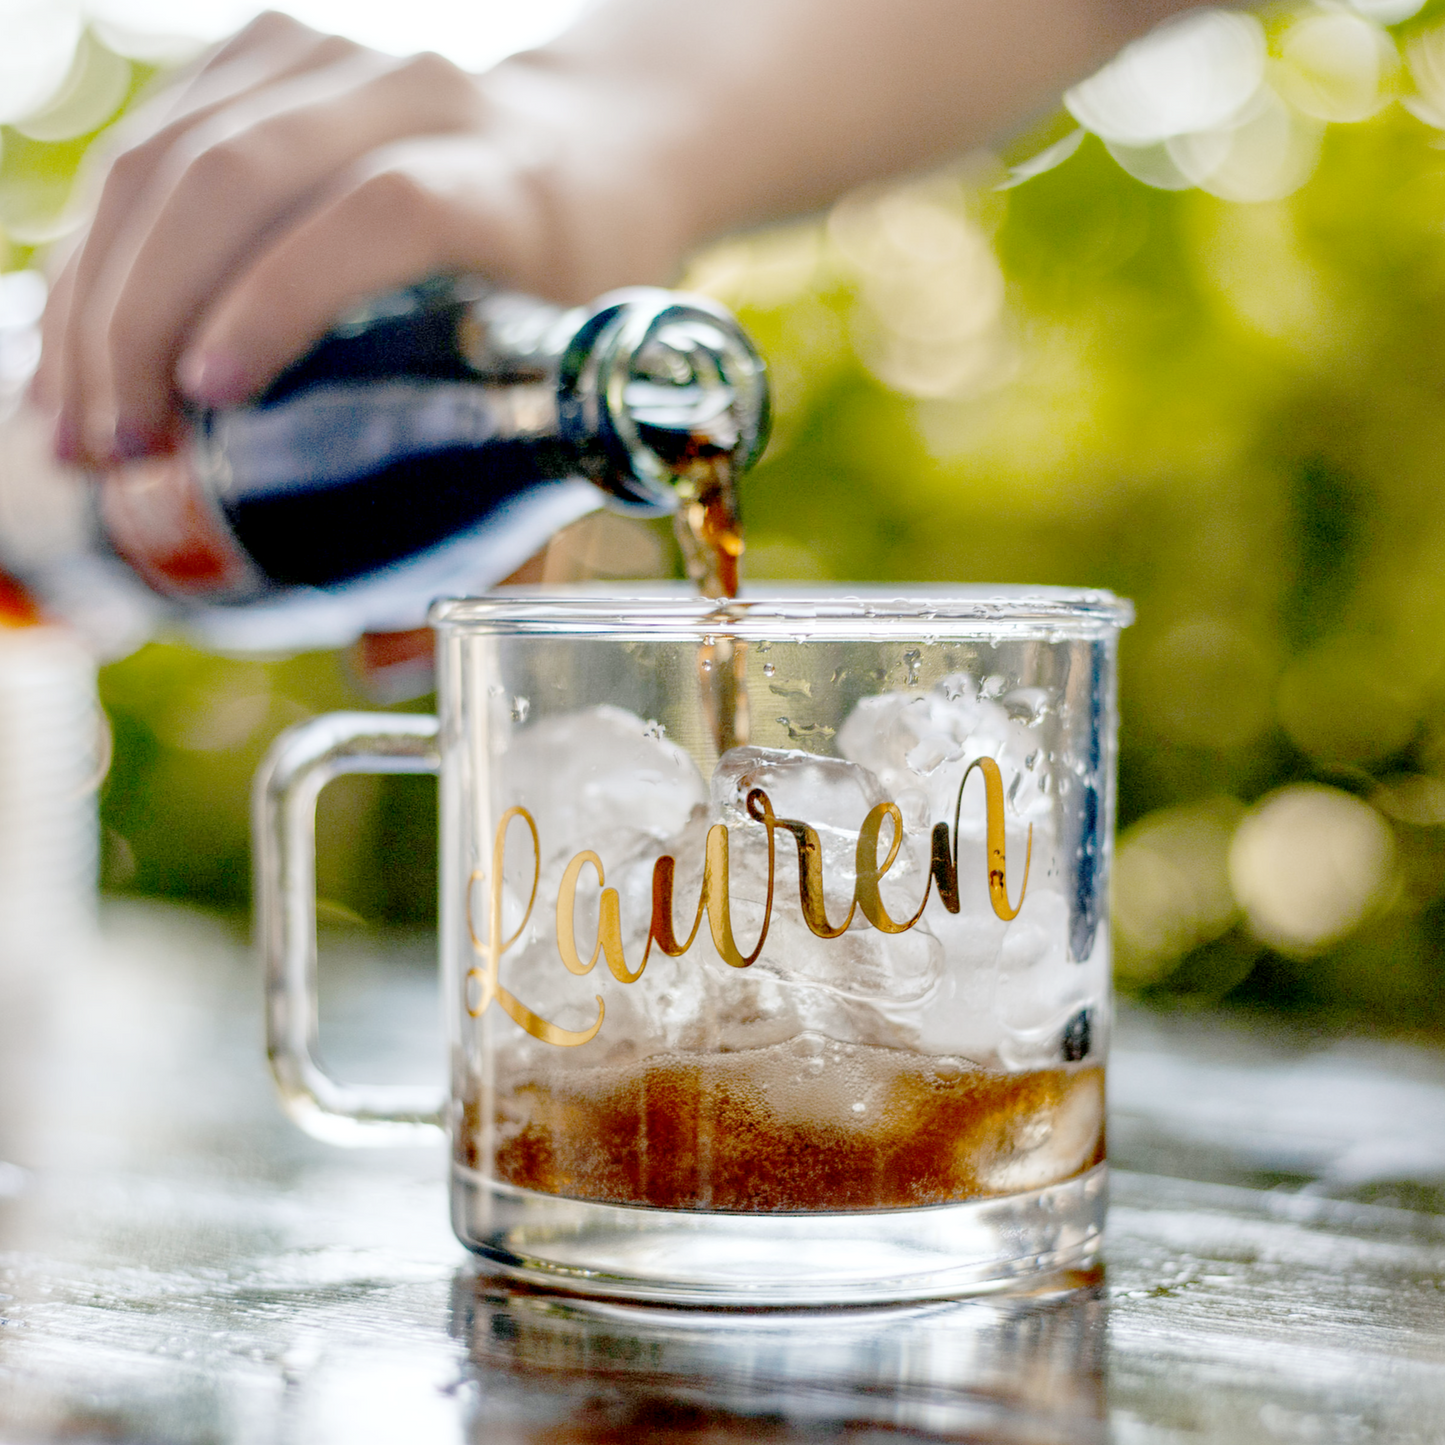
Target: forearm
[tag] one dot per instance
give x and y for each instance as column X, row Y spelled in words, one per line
column 297, row 174
column 725, row 116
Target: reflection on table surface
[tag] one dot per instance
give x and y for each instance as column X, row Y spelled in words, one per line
column 177, row 1263
column 549, row 1368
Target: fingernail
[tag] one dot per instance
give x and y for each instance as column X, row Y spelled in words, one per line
column 213, row 378
column 65, row 442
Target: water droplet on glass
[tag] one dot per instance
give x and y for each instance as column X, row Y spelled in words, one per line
column 1028, row 705
column 521, row 706
column 911, row 660
column 706, row 664
column 768, row 669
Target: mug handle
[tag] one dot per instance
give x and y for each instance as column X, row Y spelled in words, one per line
column 300, row 763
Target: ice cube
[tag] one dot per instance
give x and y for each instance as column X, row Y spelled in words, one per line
column 1051, row 1141
column 866, row 985
column 603, row 779
column 826, row 792
column 861, row 963
column 831, row 795
column 968, row 984
column 1008, row 986
column 1039, row 987
column 919, row 743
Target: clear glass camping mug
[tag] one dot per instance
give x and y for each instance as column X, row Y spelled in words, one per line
column 774, row 937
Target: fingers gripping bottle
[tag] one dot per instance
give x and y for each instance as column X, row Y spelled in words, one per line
column 430, row 444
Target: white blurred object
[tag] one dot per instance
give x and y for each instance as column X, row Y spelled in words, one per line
column 53, row 738
column 45, row 509
column 90, row 94
column 166, row 32
column 1337, row 67
column 52, row 751
column 1197, row 102
column 930, row 313
column 22, row 301
column 40, row 40
column 1264, row 157
column 470, row 32
column 52, row 80
column 1195, row 73
column 1045, row 160
column 1425, row 56
column 1387, row 12
column 1151, row 164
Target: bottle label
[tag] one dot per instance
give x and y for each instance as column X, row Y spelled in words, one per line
column 162, row 523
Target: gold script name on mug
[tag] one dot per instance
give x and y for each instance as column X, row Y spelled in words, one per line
column 484, row 986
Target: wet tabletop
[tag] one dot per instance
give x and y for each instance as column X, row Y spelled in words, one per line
column 178, row 1264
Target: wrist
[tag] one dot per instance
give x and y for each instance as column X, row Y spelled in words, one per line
column 600, row 164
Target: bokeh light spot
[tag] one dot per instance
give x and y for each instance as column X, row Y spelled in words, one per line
column 88, row 97
column 1425, row 57
column 1194, row 73
column 1343, row 705
column 1265, row 155
column 1151, row 164
column 1308, row 864
column 1208, row 684
column 1337, row 66
column 930, row 291
column 214, row 718
column 40, row 41
column 1414, row 798
column 1171, row 887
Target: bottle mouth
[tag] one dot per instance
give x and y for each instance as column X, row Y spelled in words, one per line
column 673, row 379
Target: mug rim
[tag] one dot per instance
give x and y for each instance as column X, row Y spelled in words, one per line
column 804, row 612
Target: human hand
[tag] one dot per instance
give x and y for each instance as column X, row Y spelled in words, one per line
column 293, row 175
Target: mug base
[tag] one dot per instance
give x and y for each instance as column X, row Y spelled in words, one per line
column 693, row 1257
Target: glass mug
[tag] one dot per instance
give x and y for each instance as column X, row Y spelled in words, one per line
column 774, row 937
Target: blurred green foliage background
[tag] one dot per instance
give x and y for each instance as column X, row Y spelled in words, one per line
column 1233, row 413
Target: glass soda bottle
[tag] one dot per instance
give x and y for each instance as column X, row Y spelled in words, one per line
column 432, row 442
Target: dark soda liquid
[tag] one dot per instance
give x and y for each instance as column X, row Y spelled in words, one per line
column 710, row 532
column 708, row 525
column 809, row 1125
